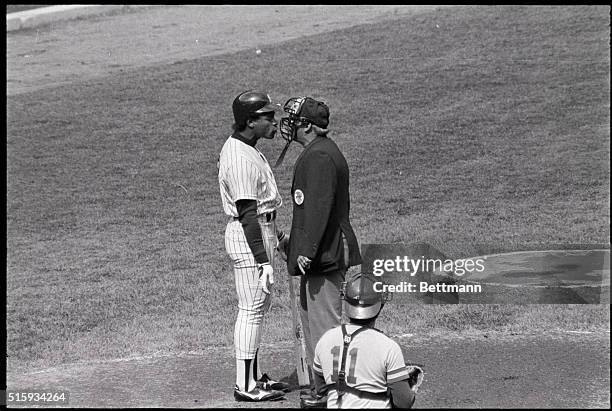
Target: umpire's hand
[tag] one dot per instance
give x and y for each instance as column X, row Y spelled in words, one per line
column 303, row 263
column 266, row 277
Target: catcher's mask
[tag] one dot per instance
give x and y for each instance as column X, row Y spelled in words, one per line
column 301, row 111
column 362, row 298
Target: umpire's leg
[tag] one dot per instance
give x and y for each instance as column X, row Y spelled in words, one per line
column 321, row 306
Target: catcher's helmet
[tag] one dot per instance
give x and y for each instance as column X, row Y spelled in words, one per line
column 363, row 301
column 251, row 103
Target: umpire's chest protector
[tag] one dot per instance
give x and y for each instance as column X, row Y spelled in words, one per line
column 320, row 227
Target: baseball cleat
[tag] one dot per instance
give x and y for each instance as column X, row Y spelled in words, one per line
column 267, row 383
column 308, row 391
column 257, row 394
column 315, row 401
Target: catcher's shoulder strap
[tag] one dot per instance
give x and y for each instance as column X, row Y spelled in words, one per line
column 340, row 385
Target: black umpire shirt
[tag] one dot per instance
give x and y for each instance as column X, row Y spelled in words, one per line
column 321, row 204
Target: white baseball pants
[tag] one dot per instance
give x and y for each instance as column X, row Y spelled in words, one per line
column 253, row 303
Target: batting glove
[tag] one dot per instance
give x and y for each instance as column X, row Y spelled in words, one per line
column 266, row 277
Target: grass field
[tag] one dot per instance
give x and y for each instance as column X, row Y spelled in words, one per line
column 14, row 8
column 461, row 126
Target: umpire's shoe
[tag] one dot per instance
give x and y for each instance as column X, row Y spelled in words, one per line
column 307, row 391
column 268, row 384
column 313, row 401
column 257, row 394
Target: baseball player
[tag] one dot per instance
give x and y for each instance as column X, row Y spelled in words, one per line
column 357, row 365
column 322, row 244
column 250, row 199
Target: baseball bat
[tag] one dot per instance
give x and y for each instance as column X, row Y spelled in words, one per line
column 299, row 342
column 282, row 155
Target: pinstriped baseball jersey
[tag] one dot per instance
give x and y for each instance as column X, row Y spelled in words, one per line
column 245, row 174
column 373, row 362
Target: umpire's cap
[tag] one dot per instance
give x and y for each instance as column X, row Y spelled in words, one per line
column 251, row 103
column 315, row 111
column 363, row 301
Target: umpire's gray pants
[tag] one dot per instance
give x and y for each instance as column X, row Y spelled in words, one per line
column 321, row 306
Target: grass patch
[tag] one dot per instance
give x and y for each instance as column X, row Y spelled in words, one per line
column 434, row 319
column 461, row 126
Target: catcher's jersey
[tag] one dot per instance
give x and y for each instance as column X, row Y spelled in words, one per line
column 373, row 362
column 245, row 174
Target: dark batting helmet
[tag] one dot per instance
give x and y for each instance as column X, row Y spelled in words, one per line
column 363, row 301
column 251, row 103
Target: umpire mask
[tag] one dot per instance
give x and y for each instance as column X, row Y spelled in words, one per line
column 301, row 111
column 289, row 124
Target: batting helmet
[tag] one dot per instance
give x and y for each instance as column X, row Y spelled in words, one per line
column 251, row 103
column 363, row 301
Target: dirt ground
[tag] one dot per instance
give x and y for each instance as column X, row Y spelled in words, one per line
column 568, row 370
column 558, row 370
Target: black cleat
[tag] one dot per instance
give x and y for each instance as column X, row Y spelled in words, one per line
column 307, row 391
column 257, row 394
column 268, row 384
column 314, row 401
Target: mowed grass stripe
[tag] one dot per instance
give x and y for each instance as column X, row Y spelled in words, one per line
column 463, row 126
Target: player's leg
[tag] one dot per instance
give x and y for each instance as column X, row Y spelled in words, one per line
column 268, row 233
column 252, row 304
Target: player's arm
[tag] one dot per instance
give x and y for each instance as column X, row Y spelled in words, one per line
column 319, row 382
column 401, row 394
column 247, row 215
column 317, row 372
column 398, row 378
column 320, row 188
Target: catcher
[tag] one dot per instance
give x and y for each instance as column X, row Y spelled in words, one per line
column 356, row 365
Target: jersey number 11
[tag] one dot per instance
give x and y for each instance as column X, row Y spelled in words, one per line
column 350, row 377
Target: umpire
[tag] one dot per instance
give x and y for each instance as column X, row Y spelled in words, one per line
column 322, row 244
